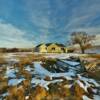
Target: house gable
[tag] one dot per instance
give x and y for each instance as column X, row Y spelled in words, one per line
column 51, row 48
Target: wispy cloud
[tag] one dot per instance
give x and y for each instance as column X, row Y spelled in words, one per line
column 47, row 20
column 83, row 17
column 11, row 36
column 73, row 14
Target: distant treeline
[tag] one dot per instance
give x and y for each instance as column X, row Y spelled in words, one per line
column 9, row 50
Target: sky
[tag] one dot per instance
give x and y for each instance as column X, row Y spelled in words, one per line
column 26, row 23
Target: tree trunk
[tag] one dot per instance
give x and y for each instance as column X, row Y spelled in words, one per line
column 82, row 49
column 82, row 65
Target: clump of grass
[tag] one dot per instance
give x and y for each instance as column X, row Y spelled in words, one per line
column 25, row 61
column 16, row 93
column 2, row 61
column 49, row 62
column 26, row 83
column 3, row 84
column 94, row 56
column 39, row 93
column 26, row 74
column 58, row 90
column 30, row 57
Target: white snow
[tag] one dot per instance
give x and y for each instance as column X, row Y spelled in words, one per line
column 12, row 82
column 81, row 84
column 88, row 81
column 10, row 73
column 43, row 83
column 4, row 94
column 72, row 63
column 40, row 70
column 61, row 56
column 28, row 68
column 43, row 72
column 86, row 98
column 66, row 75
column 27, row 98
column 96, row 97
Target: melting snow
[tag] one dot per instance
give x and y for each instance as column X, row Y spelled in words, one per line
column 72, row 63
column 43, row 72
column 89, row 80
column 61, row 56
column 86, row 98
column 43, row 83
column 10, row 73
column 28, row 68
column 96, row 97
column 40, row 70
column 12, row 82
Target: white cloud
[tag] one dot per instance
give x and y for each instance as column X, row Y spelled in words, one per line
column 48, row 15
column 91, row 30
column 97, row 40
column 10, row 30
column 38, row 13
column 83, row 16
column 11, row 36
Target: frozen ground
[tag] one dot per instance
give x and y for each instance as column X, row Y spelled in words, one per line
column 39, row 72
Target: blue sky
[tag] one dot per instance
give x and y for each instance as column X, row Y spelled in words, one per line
column 25, row 23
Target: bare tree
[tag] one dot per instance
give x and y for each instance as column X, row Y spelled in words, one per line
column 81, row 38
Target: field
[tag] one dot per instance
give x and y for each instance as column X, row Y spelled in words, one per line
column 29, row 76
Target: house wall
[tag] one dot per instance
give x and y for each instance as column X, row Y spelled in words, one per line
column 43, row 48
column 53, row 48
column 66, row 50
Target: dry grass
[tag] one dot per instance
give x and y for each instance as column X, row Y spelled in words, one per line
column 56, row 90
column 16, row 93
column 2, row 61
column 94, row 56
column 39, row 93
column 3, row 84
column 29, row 58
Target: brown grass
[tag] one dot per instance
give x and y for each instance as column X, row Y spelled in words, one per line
column 94, row 56
column 2, row 61
column 16, row 93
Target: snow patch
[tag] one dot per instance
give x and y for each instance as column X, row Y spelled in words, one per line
column 13, row 82
column 86, row 98
column 43, row 83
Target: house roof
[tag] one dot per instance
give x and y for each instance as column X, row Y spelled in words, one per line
column 39, row 45
column 47, row 44
column 61, row 45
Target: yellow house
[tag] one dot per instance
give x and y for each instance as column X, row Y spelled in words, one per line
column 50, row 48
column 55, row 48
column 42, row 48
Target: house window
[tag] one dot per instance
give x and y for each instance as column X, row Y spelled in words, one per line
column 63, row 49
column 46, row 48
column 53, row 48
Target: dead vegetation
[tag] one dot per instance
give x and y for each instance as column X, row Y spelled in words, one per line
column 56, row 90
column 16, row 93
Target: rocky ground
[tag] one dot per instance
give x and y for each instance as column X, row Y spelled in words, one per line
column 49, row 77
